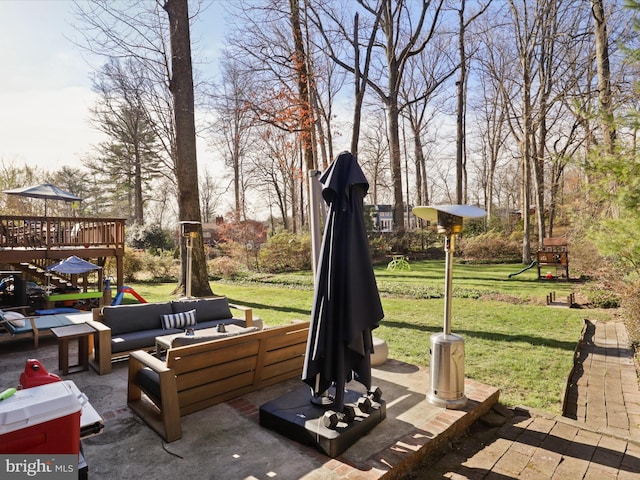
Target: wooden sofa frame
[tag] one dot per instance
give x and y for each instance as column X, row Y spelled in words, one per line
column 198, row 376
column 102, row 354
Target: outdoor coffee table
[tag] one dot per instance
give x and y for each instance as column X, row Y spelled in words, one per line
column 80, row 331
column 163, row 342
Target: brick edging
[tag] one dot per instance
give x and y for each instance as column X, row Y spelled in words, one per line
column 576, row 355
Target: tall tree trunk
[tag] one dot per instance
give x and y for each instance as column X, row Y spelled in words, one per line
column 419, row 165
column 604, row 75
column 538, row 176
column 460, row 135
column 360, row 77
column 396, row 167
column 300, row 65
column 139, row 204
column 525, row 202
column 526, row 150
column 181, row 86
column 359, row 88
column 306, row 121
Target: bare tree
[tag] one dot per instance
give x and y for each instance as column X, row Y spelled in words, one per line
column 336, row 31
column 374, row 159
column 525, row 29
column 281, row 69
column 136, row 34
column 425, row 79
column 461, row 84
column 278, row 164
column 233, row 126
column 491, row 120
column 211, row 193
column 403, row 39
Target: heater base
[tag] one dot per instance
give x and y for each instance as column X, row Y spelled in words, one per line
column 446, row 403
column 447, row 371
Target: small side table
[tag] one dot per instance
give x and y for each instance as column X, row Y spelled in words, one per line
column 82, row 332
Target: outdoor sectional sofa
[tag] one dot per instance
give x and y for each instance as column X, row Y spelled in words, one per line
column 122, row 329
column 199, row 375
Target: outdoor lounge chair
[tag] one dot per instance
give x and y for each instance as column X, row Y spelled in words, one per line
column 33, row 325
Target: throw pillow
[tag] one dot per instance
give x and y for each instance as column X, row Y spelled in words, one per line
column 15, row 318
column 178, row 320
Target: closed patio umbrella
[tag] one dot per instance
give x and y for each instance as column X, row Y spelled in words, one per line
column 346, row 305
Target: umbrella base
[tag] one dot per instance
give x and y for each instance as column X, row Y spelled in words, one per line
column 296, row 417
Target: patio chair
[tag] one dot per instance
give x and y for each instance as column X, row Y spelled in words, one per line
column 30, row 325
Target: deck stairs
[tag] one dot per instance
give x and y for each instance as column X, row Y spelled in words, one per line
column 38, row 270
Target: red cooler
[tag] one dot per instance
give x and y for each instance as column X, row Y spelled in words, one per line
column 44, row 419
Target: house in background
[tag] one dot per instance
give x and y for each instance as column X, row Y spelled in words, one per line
column 382, row 218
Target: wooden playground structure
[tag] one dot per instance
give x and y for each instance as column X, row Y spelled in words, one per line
column 553, row 259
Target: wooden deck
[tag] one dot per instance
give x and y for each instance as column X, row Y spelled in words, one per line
column 39, row 241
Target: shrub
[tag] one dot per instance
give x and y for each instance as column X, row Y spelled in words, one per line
column 286, row 252
column 140, row 265
column 132, row 264
column 425, row 239
column 379, row 247
column 611, row 237
column 585, row 261
column 225, row 267
column 402, row 244
column 489, row 246
column 631, row 306
column 163, row 267
column 149, row 237
column 602, row 296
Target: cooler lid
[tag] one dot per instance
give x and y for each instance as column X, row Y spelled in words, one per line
column 91, row 422
column 36, row 405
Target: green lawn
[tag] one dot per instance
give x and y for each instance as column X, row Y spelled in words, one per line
column 426, row 279
column 513, row 341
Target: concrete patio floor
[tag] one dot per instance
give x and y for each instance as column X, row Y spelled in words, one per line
column 227, row 442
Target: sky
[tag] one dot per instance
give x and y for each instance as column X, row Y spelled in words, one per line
column 45, row 88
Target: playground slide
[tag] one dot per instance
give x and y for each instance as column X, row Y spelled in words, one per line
column 533, row 264
column 117, row 300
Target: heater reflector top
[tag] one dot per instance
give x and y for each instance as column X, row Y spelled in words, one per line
column 430, row 213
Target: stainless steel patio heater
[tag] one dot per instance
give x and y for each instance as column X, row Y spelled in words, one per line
column 447, row 349
column 189, row 231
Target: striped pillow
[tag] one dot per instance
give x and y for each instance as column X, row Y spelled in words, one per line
column 178, row 320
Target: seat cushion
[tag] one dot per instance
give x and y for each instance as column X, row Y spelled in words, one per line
column 215, row 323
column 184, row 340
column 206, row 308
column 135, row 317
column 149, row 382
column 141, row 340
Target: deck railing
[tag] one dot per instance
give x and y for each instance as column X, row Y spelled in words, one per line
column 23, row 232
